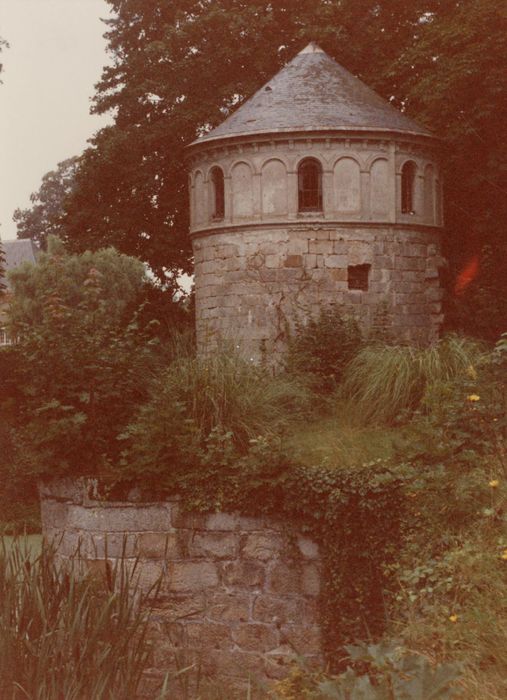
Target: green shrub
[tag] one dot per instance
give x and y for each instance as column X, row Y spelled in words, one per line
column 320, row 349
column 66, row 636
column 386, row 380
column 82, row 359
column 384, row 671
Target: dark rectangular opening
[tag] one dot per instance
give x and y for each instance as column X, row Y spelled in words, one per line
column 358, row 277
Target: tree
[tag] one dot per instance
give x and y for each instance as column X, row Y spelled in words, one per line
column 83, row 359
column 3, row 44
column 3, row 271
column 46, row 215
column 455, row 79
column 180, row 68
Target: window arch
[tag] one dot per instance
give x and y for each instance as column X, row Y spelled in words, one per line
column 407, row 187
column 310, row 185
column 217, row 193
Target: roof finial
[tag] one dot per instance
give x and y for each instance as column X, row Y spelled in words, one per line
column 312, row 48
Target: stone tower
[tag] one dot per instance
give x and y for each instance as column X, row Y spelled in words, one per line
column 314, row 192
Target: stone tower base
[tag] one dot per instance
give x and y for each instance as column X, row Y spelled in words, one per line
column 251, row 286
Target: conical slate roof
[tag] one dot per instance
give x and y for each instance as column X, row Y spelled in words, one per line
column 313, row 93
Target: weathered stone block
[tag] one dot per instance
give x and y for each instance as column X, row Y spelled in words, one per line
column 221, row 521
column 158, row 545
column 237, row 664
column 255, row 637
column 149, row 575
column 336, row 261
column 293, row 261
column 191, row 576
column 339, row 275
column 127, row 518
column 208, row 635
column 321, row 247
column 284, row 579
column 229, row 607
column 302, row 639
column 308, row 548
column 434, row 294
column 273, row 261
column 54, row 514
column 310, row 583
column 247, row 523
column 180, row 607
column 217, row 545
column 261, row 546
column 277, row 610
column 243, row 574
column 106, row 545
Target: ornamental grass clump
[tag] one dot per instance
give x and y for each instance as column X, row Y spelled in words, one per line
column 386, row 380
column 223, row 393
column 65, row 636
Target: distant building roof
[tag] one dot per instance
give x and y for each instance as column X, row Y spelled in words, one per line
column 313, row 93
column 18, row 252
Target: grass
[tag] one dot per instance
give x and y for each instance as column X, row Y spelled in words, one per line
column 341, row 440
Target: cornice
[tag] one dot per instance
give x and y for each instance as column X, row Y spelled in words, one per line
column 323, row 225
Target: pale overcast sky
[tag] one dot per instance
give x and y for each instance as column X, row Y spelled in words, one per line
column 55, row 57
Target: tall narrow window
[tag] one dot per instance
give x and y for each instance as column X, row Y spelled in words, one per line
column 217, row 192
column 310, row 185
column 407, row 187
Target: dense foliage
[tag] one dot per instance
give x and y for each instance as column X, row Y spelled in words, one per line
column 179, row 68
column 46, row 215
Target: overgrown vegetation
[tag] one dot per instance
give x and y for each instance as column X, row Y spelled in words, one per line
column 382, row 671
column 320, row 349
column 412, row 525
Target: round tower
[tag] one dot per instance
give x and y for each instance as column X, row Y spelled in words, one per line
column 315, row 192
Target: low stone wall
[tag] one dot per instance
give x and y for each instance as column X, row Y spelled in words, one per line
column 239, row 595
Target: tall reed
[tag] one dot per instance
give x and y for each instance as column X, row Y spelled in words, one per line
column 65, row 636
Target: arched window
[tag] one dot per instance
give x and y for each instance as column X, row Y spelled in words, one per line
column 407, row 187
column 217, row 193
column 310, row 185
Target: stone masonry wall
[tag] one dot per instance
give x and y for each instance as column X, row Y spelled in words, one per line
column 252, row 285
column 239, row 595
